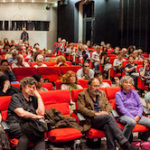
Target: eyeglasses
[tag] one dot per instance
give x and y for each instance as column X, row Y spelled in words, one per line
column 86, row 66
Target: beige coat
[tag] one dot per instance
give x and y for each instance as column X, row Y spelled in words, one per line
column 86, row 106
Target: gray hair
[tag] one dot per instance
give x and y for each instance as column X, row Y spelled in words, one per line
column 126, row 78
column 27, row 80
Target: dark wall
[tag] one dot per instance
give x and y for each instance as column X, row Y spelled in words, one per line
column 119, row 22
column 107, row 21
column 135, row 20
column 66, row 20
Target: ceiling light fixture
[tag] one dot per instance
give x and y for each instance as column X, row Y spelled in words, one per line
column 4, row 1
column 13, row 0
column 45, row 1
column 22, row 1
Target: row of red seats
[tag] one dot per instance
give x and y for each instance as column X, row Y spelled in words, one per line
column 52, row 73
column 49, row 86
column 60, row 101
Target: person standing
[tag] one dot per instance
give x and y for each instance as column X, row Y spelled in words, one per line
column 24, row 35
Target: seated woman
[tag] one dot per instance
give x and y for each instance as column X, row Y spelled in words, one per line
column 5, row 87
column 145, row 72
column 39, row 60
column 130, row 107
column 61, row 61
column 39, row 80
column 20, row 62
column 117, row 64
column 69, row 81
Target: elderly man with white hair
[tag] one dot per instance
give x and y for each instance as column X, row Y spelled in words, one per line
column 20, row 62
column 130, row 107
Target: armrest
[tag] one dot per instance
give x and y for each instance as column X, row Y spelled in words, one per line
column 115, row 113
column 146, row 111
column 5, row 126
column 79, row 115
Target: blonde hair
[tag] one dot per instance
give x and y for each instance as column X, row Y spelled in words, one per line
column 60, row 59
column 66, row 77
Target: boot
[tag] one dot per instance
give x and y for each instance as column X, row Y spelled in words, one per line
column 128, row 146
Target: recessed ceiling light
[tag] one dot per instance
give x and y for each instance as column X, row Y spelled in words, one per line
column 13, row 0
column 22, row 1
column 4, row 1
column 45, row 1
column 32, row 1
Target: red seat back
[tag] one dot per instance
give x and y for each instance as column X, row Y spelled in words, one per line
column 20, row 73
column 64, row 69
column 51, row 73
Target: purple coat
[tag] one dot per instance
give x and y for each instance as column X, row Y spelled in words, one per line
column 129, row 104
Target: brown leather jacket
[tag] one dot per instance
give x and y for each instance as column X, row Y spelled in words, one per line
column 86, row 106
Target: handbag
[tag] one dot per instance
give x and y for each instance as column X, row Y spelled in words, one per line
column 34, row 128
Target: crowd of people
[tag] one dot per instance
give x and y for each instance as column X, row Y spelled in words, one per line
column 26, row 102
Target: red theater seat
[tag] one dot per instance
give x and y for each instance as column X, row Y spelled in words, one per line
column 64, row 69
column 20, row 73
column 51, row 73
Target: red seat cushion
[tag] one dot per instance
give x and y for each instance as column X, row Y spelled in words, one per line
column 95, row 133
column 64, row 134
column 4, row 102
column 137, row 128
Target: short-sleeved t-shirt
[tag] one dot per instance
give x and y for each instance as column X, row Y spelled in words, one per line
column 19, row 101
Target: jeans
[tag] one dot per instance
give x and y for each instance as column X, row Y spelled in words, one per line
column 111, row 129
column 130, row 124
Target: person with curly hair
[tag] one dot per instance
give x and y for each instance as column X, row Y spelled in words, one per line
column 69, row 81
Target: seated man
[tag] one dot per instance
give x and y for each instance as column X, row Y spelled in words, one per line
column 85, row 72
column 27, row 104
column 99, row 76
column 93, row 104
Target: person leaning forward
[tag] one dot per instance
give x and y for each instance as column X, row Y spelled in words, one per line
column 94, row 106
column 27, row 104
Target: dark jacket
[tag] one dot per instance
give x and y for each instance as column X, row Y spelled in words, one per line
column 57, row 120
column 86, row 106
column 12, row 90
